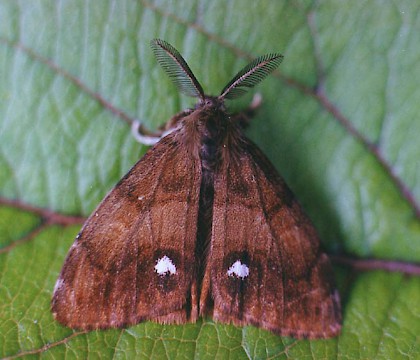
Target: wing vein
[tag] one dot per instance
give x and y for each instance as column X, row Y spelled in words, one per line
column 264, row 211
column 149, row 218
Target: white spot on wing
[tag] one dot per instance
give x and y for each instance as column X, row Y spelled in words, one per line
column 75, row 244
column 239, row 270
column 58, row 284
column 165, row 266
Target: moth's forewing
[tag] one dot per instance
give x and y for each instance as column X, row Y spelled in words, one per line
column 265, row 266
column 134, row 258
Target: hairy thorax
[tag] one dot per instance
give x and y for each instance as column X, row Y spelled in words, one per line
column 210, row 134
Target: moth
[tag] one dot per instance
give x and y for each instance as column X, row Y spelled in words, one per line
column 201, row 226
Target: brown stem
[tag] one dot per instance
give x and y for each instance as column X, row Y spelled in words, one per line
column 377, row 264
column 49, row 217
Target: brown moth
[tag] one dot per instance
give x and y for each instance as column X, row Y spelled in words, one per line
column 202, row 225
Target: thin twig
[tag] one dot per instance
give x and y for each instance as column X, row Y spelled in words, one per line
column 49, row 216
column 376, row 264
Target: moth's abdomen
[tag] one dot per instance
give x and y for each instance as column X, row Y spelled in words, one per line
column 212, row 130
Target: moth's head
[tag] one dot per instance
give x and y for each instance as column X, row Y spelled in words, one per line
column 211, row 104
column 182, row 76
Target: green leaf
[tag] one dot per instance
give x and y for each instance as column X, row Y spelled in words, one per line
column 339, row 121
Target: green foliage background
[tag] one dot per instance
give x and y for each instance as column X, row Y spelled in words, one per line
column 350, row 151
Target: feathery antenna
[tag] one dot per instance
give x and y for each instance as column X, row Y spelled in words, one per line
column 177, row 68
column 251, row 75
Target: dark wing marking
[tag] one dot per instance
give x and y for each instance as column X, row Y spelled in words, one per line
column 265, row 266
column 110, row 277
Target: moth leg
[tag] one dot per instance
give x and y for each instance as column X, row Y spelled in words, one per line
column 244, row 117
column 144, row 136
column 147, row 137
